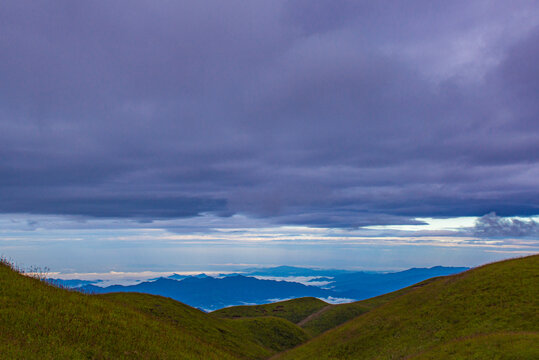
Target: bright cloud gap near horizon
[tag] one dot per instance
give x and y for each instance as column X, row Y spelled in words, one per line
column 124, row 250
column 359, row 134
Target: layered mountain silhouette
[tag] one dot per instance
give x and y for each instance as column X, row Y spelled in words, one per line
column 209, row 293
column 489, row 312
column 363, row 285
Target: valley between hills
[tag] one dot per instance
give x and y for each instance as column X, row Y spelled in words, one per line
column 489, row 312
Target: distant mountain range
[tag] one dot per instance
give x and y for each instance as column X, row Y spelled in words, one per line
column 285, row 271
column 211, row 293
column 489, row 312
column 363, row 285
column 73, row 283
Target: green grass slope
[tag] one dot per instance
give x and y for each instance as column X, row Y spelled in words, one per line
column 39, row 321
column 492, row 307
column 336, row 315
column 332, row 317
column 497, row 346
column 313, row 315
column 293, row 310
column 236, row 335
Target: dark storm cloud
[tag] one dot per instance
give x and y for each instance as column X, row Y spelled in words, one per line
column 338, row 114
column 154, row 208
column 491, row 225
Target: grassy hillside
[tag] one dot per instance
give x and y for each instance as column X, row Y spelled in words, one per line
column 236, row 335
column 40, row 321
column 336, row 315
column 520, row 345
column 484, row 309
column 313, row 315
column 490, row 312
column 293, row 310
column 331, row 317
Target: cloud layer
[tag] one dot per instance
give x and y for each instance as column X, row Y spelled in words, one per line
column 491, row 225
column 334, row 114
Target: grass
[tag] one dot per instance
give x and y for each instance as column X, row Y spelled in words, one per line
column 491, row 312
column 333, row 316
column 236, row 335
column 492, row 301
column 40, row 321
column 336, row 315
column 497, row 346
column 293, row 310
column 313, row 315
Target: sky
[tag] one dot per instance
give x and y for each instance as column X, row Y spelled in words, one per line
column 179, row 135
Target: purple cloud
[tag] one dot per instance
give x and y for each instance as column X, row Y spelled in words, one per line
column 491, row 225
column 336, row 114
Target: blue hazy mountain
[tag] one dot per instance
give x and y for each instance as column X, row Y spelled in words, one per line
column 73, row 283
column 363, row 285
column 285, row 271
column 210, row 293
column 174, row 277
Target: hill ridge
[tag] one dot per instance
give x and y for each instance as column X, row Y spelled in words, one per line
column 493, row 306
column 496, row 297
column 39, row 320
